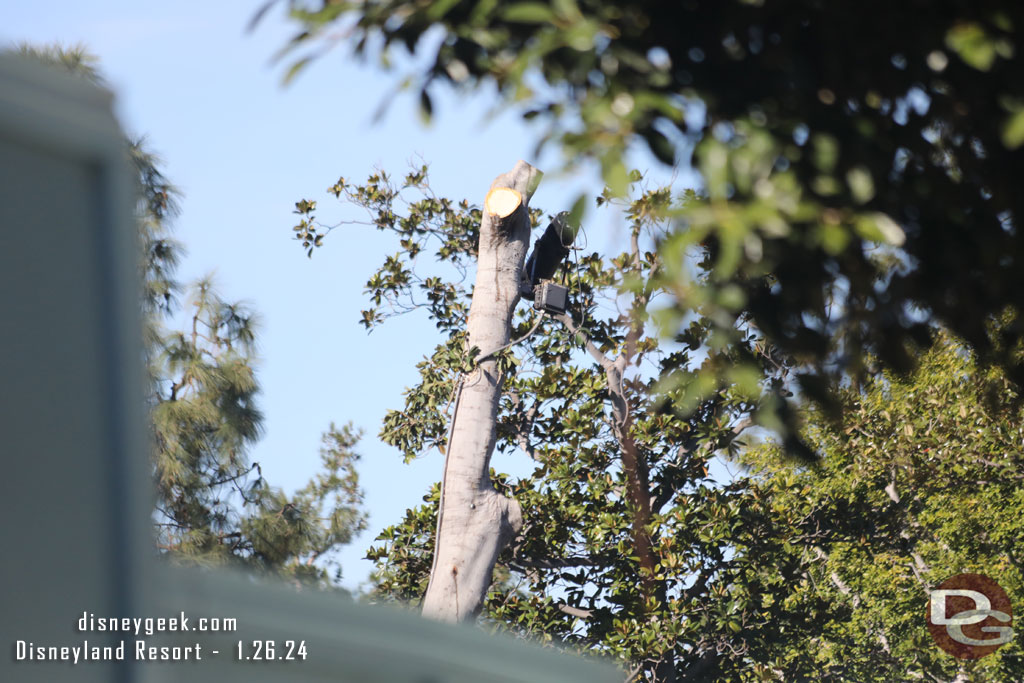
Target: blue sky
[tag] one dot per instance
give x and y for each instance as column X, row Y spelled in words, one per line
column 243, row 149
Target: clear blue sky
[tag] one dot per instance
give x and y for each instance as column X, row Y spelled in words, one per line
column 244, row 149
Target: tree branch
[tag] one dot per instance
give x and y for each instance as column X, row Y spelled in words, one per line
column 594, row 352
column 527, row 563
column 575, row 611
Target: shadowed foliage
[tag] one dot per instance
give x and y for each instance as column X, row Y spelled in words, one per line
column 834, row 139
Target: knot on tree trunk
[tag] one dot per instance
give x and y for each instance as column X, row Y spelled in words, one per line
column 511, row 518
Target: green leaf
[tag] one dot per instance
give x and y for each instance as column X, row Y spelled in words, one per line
column 879, row 227
column 1013, row 129
column 974, row 46
column 439, row 8
column 568, row 9
column 615, row 175
column 426, row 106
column 529, row 13
column 574, row 219
column 862, row 187
column 481, row 12
column 295, row 68
column 826, row 151
column 661, row 147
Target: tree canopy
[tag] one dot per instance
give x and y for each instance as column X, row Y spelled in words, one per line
column 636, row 543
column 859, row 161
column 213, row 504
column 621, row 510
column 920, row 482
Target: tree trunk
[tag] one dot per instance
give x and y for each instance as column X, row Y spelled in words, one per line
column 475, row 522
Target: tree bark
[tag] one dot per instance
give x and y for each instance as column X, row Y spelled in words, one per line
column 476, row 522
column 634, row 465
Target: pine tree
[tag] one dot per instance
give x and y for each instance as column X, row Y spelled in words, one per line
column 213, row 505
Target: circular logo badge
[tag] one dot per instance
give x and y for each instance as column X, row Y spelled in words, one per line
column 969, row 616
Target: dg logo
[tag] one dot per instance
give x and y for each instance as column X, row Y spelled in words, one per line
column 969, row 616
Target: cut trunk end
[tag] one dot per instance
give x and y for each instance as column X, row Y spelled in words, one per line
column 502, row 201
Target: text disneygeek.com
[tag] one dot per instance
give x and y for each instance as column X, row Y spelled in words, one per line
column 141, row 650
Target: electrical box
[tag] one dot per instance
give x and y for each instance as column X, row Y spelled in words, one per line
column 551, row 297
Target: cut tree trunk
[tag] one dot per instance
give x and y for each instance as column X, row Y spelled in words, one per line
column 475, row 521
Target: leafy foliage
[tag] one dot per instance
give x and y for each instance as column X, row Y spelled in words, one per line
column 621, row 511
column 920, row 482
column 834, row 140
column 636, row 545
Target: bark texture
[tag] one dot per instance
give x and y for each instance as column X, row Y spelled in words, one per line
column 476, row 521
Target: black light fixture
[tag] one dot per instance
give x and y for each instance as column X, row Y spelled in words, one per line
column 551, row 297
column 548, row 253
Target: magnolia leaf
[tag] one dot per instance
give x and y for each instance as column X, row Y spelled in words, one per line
column 1013, row 129
column 879, row 227
column 529, row 13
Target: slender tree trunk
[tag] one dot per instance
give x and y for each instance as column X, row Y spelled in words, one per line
column 475, row 521
column 634, row 466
